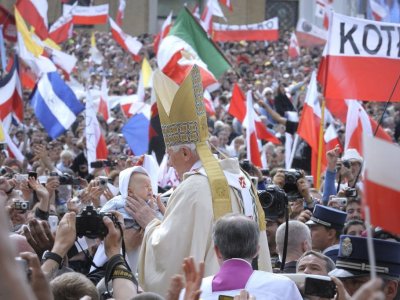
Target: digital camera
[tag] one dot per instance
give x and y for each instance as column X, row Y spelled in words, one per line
column 290, row 187
column 66, row 179
column 273, row 201
column 90, row 223
column 21, row 205
column 350, row 193
column 103, row 181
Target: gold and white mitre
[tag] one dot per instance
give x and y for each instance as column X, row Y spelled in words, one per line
column 184, row 121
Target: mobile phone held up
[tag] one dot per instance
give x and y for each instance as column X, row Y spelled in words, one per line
column 319, row 287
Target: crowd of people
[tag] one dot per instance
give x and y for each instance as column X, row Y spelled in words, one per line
column 123, row 231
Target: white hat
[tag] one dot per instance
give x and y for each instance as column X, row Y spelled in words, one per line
column 267, row 90
column 352, row 154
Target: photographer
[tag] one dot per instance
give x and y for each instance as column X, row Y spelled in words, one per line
column 297, row 187
column 347, row 169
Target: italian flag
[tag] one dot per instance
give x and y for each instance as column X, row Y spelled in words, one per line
column 187, row 44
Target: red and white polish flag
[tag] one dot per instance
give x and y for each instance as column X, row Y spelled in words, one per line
column 294, row 49
column 310, row 123
column 263, row 31
column 309, row 35
column 357, row 124
column 165, row 28
column 87, row 15
column 95, row 143
column 238, row 109
column 253, row 152
column 323, row 10
column 211, row 9
column 339, row 109
column 362, row 60
column 382, row 182
column 378, row 11
column 120, row 12
column 127, row 42
column 62, row 29
column 331, row 138
column 196, row 12
column 103, row 104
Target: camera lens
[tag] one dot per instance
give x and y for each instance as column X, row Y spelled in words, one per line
column 266, row 199
column 347, row 164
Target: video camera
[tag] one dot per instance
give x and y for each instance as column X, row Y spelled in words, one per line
column 273, row 201
column 290, row 187
column 98, row 164
column 90, row 223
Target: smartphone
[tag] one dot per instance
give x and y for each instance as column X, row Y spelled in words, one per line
column 223, row 297
column 23, row 266
column 53, row 222
column 319, row 287
column 32, row 174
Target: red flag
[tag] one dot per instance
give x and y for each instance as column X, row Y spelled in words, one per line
column 35, row 13
column 237, row 108
column 310, row 123
column 294, row 49
column 8, row 21
column 382, row 183
column 61, row 30
column 253, row 153
column 367, row 58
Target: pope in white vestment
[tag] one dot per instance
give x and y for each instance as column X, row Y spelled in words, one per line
column 209, row 190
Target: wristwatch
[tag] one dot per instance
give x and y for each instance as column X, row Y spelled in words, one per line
column 53, row 256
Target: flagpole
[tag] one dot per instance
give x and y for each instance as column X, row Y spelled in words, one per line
column 294, row 146
column 320, row 144
column 370, row 244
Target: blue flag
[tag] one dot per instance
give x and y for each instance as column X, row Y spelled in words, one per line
column 55, row 104
column 136, row 133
